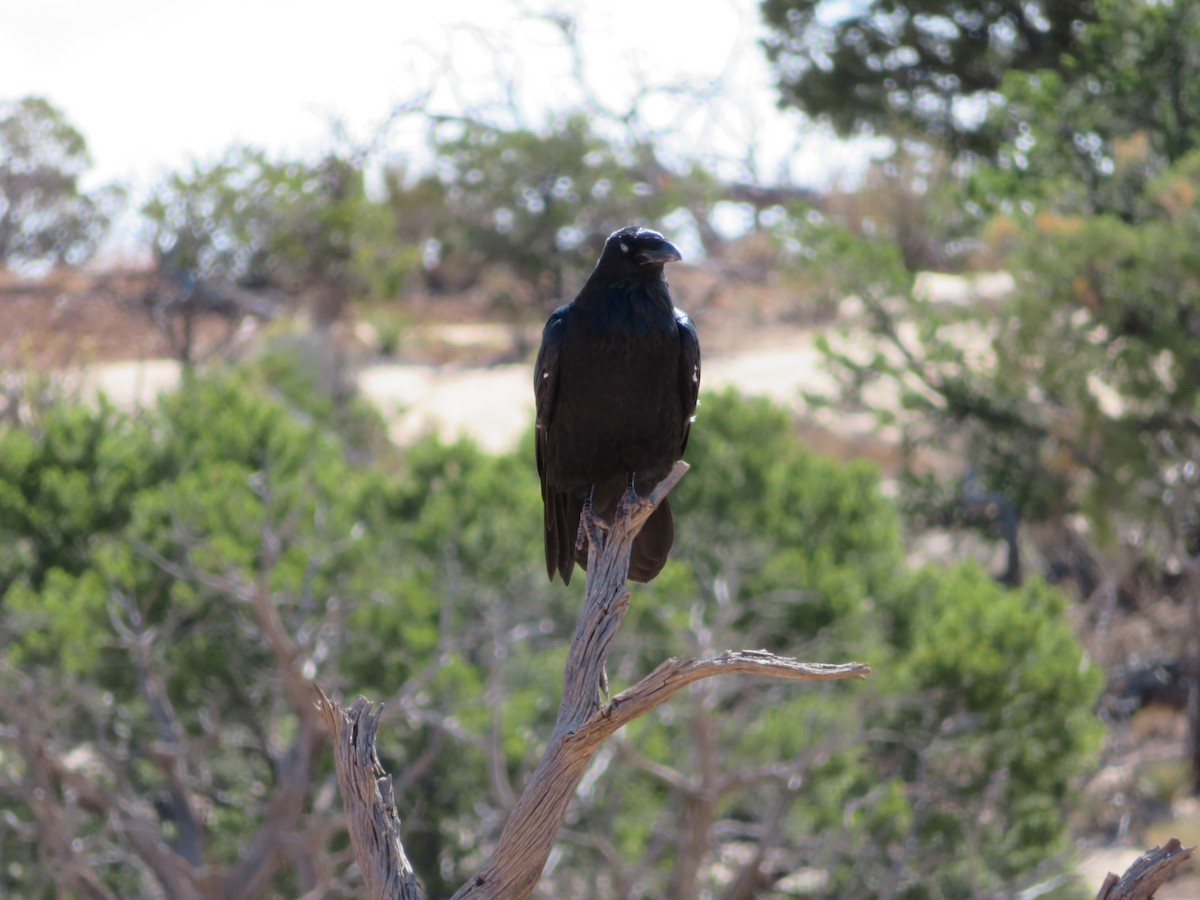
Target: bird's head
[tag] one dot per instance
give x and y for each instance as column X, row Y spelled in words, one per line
column 635, row 247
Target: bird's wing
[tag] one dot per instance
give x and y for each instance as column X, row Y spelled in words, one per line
column 545, row 381
column 557, row 518
column 689, row 371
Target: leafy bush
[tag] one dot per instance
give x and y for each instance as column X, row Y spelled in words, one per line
column 144, row 549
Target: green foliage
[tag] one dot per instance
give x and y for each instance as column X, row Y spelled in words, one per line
column 64, row 481
column 948, row 771
column 1084, row 398
column 761, row 498
column 832, row 256
column 1077, row 105
column 1113, row 320
column 44, row 215
column 1071, row 406
column 421, row 580
column 1087, row 135
column 159, row 525
column 913, row 201
column 309, row 374
column 535, row 204
column 924, row 68
column 995, row 707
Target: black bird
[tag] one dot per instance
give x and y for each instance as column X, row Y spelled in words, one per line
column 616, row 382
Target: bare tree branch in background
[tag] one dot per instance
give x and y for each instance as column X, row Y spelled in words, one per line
column 643, row 141
column 60, row 790
column 87, row 790
column 655, row 142
column 174, row 754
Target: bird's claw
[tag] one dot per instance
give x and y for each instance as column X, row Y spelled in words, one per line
column 631, row 502
column 591, row 529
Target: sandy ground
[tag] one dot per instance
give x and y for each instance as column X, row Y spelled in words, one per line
column 128, row 385
column 494, row 405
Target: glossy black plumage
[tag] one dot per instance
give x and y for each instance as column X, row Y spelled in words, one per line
column 616, row 381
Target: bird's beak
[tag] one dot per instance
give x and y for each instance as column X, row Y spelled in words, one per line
column 657, row 254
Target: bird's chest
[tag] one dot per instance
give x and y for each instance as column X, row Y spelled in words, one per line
column 622, row 360
column 619, row 403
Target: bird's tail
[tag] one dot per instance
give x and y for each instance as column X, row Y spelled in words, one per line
column 562, row 512
column 653, row 544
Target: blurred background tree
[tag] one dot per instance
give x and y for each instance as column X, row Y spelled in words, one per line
column 45, row 215
column 520, row 207
column 1073, row 401
column 536, row 203
column 1087, row 136
column 288, row 226
column 927, row 70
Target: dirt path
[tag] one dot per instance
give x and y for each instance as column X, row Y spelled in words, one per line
column 494, row 405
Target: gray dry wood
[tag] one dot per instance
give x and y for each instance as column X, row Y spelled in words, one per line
column 1147, row 873
column 367, row 795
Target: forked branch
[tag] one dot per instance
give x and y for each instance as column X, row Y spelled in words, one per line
column 583, row 723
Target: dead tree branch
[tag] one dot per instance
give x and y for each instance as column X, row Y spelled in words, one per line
column 370, row 804
column 1147, row 874
column 583, row 723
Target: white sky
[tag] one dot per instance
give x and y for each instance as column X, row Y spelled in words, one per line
column 155, row 83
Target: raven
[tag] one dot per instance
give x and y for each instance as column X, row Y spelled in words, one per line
column 615, row 382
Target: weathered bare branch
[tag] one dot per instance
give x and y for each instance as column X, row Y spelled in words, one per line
column 267, row 850
column 370, row 805
column 171, row 753
column 1147, row 873
column 525, row 842
column 583, row 724
column 674, row 674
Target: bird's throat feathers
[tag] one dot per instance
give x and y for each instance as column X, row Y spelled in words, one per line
column 640, row 294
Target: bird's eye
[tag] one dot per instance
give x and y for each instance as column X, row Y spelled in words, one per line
column 624, row 247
